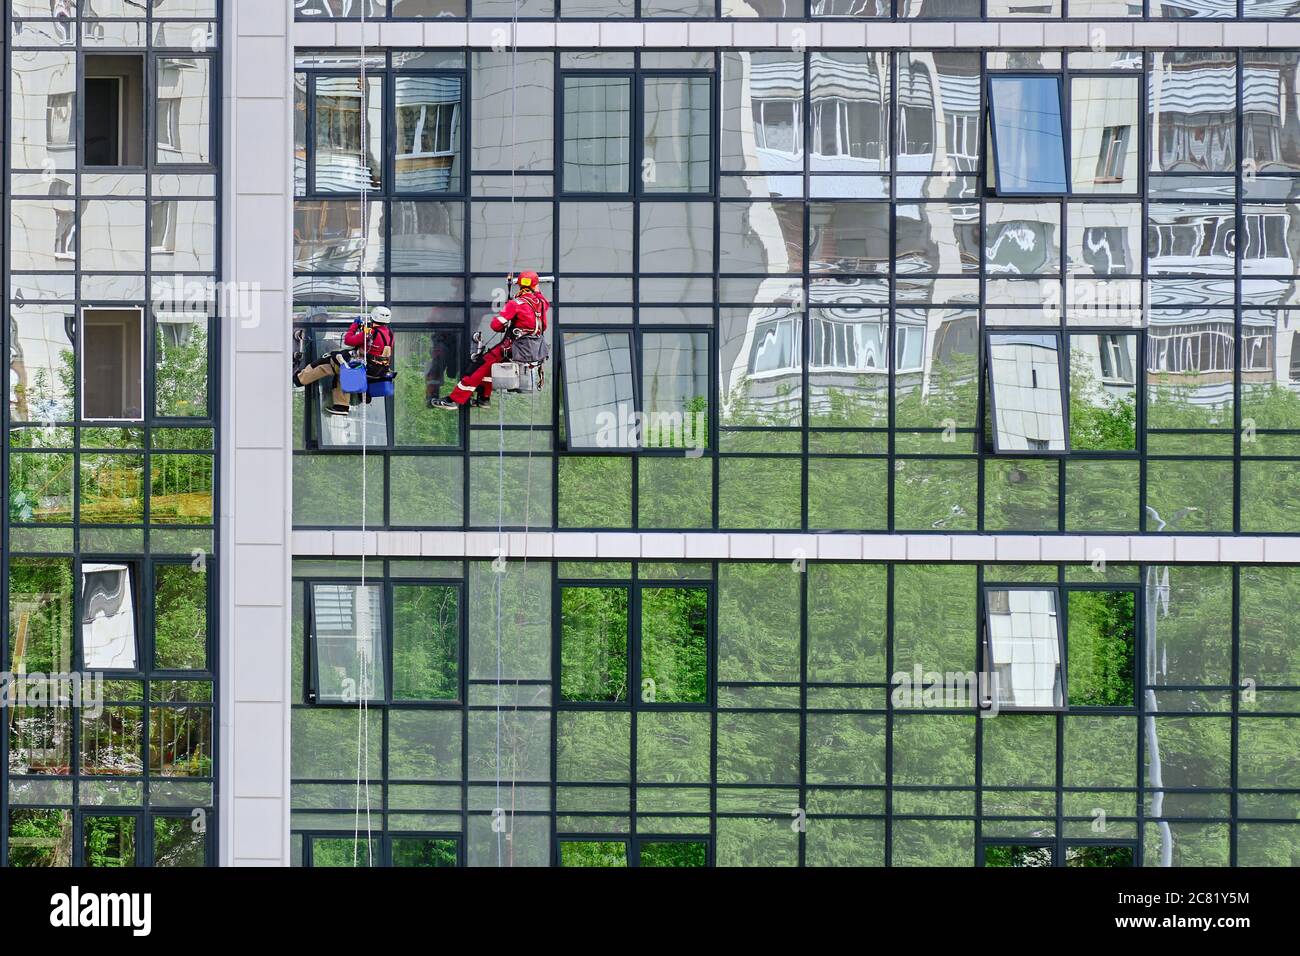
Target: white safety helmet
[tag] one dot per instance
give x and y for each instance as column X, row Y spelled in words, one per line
column 381, row 315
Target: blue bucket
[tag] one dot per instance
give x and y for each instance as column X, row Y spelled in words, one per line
column 382, row 388
column 352, row 378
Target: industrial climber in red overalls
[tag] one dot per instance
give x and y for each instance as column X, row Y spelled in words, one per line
column 524, row 316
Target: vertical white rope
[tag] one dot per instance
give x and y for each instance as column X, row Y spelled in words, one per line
column 364, row 621
column 498, row 590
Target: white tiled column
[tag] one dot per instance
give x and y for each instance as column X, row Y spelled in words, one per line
column 257, row 180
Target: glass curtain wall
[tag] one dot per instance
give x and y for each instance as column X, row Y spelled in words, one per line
column 814, row 290
column 111, row 433
column 759, row 714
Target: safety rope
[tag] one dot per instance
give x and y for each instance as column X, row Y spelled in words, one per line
column 501, row 461
column 364, row 619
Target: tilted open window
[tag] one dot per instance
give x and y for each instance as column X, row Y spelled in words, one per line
column 108, row 618
column 1026, row 136
column 1023, row 651
column 1026, row 372
column 1031, row 151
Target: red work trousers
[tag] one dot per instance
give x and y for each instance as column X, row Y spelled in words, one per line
column 479, row 375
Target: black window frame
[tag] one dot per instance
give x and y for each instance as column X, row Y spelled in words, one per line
column 636, row 78
column 385, row 586
column 993, row 184
column 635, row 701
column 1063, row 365
column 632, row 844
column 985, row 672
column 387, row 189
column 637, row 333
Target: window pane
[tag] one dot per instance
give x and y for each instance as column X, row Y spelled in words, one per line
column 673, row 853
column 175, row 844
column 426, row 642
column 1018, row 855
column 674, row 645
column 677, row 141
column 40, row 837
column 675, row 389
column 762, row 111
column 1104, row 133
column 597, row 134
column 1023, row 646
column 180, row 617
column 342, row 165
column 1098, row 856
column 1028, row 404
column 939, row 122
column 184, row 110
column 40, row 616
column 181, row 365
column 180, row 489
column 1102, row 628
column 599, row 400
column 109, row 841
column 1029, row 145
column 428, row 146
column 593, row 644
column 1103, row 392
column 850, row 115
column 348, row 632
column 848, row 237
column 41, row 363
column 1193, row 111
column 423, row 851
column 760, row 357
column 439, row 356
column 108, row 622
column 112, row 364
column 593, row 853
column 849, row 366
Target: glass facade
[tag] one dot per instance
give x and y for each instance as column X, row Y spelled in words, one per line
column 111, row 436
column 936, row 292
column 782, row 278
column 770, row 714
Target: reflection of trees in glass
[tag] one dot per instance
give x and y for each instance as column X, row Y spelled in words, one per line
column 110, row 841
column 593, row 853
column 180, row 617
column 1099, row 421
column 180, row 489
column 423, row 852
column 426, row 642
column 673, row 853
column 593, row 644
column 1102, row 628
column 344, row 851
column 175, row 844
column 40, row 837
column 1018, row 855
column 40, row 615
column 674, row 643
column 1087, row 855
column 40, row 487
column 951, row 392
column 181, row 376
